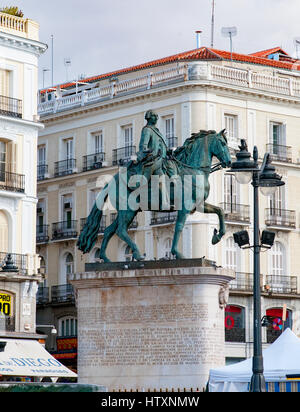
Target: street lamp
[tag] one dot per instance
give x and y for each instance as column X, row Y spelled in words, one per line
column 53, row 329
column 268, row 180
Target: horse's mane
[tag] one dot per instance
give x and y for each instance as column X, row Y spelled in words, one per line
column 182, row 153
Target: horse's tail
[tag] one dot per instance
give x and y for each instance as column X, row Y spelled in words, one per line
column 89, row 233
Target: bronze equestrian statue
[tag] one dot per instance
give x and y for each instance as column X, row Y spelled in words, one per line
column 187, row 168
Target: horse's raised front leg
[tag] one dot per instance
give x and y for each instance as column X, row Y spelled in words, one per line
column 181, row 218
column 124, row 220
column 208, row 208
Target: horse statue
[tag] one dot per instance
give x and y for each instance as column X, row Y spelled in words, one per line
column 191, row 166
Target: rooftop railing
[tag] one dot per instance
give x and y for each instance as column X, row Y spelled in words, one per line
column 201, row 72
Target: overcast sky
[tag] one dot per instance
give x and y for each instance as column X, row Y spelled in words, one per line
column 104, row 35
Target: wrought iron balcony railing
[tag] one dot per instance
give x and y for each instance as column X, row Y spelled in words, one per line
column 20, row 261
column 93, row 161
column 42, row 295
column 280, row 152
column 235, row 212
column 62, row 294
column 12, row 182
column 243, row 282
column 42, row 233
column 160, row 218
column 42, row 172
column 64, row 230
column 123, row 155
column 10, row 107
column 64, row 167
column 102, row 224
column 281, row 284
column 280, row 217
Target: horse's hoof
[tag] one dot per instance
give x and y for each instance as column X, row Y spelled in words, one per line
column 137, row 256
column 178, row 255
column 105, row 259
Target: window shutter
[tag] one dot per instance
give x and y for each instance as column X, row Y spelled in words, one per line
column 4, row 83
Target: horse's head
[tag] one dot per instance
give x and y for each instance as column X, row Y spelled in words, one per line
column 219, row 148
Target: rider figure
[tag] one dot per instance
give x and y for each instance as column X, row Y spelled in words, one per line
column 152, row 146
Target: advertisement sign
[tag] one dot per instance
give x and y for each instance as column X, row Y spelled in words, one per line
column 6, row 303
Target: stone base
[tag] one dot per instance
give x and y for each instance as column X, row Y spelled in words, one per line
column 151, row 329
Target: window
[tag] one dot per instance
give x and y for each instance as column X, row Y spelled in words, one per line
column 277, row 260
column 97, row 254
column 234, row 324
column 40, row 210
column 41, row 155
column 98, row 142
column 277, row 133
column 3, row 232
column 67, row 327
column 4, row 82
column 165, row 249
column 230, row 190
column 169, row 127
column 276, row 325
column 277, row 200
column 2, row 160
column 128, row 136
column 231, row 254
column 69, row 149
column 67, row 210
column 231, row 126
column 69, row 265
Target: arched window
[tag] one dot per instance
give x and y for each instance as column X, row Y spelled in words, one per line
column 235, row 324
column 128, row 254
column 67, row 268
column 67, row 326
column 276, row 324
column 277, row 259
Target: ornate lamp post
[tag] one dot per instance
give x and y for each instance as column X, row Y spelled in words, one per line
column 268, row 180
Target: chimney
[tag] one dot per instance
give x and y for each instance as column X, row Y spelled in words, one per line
column 198, row 37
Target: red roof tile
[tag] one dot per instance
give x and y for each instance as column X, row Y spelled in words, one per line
column 266, row 53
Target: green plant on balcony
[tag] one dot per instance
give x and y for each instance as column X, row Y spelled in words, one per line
column 13, row 10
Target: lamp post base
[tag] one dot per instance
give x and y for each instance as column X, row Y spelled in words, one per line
column 258, row 383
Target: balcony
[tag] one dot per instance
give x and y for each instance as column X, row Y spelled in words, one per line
column 64, row 230
column 42, row 172
column 243, row 282
column 93, row 161
column 102, row 224
column 280, row 218
column 133, row 225
column 62, row 294
column 42, row 295
column 280, row 153
column 65, row 167
column 42, row 235
column 20, row 261
column 123, row 155
column 235, row 335
column 10, row 107
column 236, row 213
column 160, row 218
column 172, row 142
column 281, row 284
column 12, row 182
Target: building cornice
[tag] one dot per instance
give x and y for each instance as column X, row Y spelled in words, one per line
column 21, row 43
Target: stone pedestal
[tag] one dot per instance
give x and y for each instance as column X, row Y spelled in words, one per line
column 151, row 326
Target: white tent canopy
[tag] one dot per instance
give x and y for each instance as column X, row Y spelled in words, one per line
column 282, row 358
column 29, row 358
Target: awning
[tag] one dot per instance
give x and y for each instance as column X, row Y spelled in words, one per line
column 29, row 358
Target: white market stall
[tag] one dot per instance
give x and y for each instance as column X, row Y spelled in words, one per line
column 28, row 358
column 281, row 359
